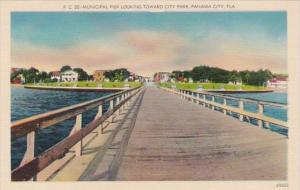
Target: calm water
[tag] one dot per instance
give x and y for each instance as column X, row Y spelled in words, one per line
column 26, row 103
column 273, row 112
column 277, row 113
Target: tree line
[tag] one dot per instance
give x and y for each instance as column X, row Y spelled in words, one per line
column 218, row 75
column 113, row 75
column 33, row 75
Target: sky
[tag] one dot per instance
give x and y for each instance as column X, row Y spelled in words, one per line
column 146, row 43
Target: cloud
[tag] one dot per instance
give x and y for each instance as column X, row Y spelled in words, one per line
column 146, row 52
column 240, row 52
column 89, row 56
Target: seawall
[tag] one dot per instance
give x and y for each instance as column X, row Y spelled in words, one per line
column 79, row 89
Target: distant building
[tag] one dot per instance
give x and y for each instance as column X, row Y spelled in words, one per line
column 69, row 76
column 132, row 76
column 148, row 79
column 18, row 79
column 13, row 70
column 135, row 77
column 278, row 82
column 55, row 75
column 162, row 77
column 99, row 75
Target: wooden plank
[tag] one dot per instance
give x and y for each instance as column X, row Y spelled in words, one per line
column 26, row 172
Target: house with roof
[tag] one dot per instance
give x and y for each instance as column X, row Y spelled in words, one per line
column 278, row 82
column 69, row 76
column 99, row 75
column 55, row 75
column 162, row 77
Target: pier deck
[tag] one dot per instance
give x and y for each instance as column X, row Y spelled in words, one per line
column 178, row 140
column 173, row 139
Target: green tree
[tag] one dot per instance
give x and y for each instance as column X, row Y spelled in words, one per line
column 234, row 77
column 178, row 75
column 65, row 68
column 31, row 75
column 43, row 76
column 187, row 74
column 117, row 74
column 82, row 75
column 90, row 77
column 247, row 77
column 109, row 75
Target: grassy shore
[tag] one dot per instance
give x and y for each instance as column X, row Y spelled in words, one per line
column 213, row 86
column 88, row 84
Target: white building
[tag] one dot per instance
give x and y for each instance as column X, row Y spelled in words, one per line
column 278, row 82
column 162, row 77
column 69, row 76
column 55, row 75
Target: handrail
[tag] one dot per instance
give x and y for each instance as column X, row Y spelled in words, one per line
column 24, row 126
column 239, row 110
column 269, row 103
column 31, row 165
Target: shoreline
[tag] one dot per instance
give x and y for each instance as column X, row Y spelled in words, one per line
column 239, row 91
column 17, row 85
column 281, row 90
column 78, row 89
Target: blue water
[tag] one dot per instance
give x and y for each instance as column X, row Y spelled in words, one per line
column 274, row 112
column 271, row 111
column 26, row 103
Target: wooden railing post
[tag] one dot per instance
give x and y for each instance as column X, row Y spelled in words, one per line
column 193, row 96
column 204, row 98
column 225, row 104
column 111, row 104
column 77, row 127
column 117, row 103
column 267, row 125
column 241, row 106
column 98, row 115
column 100, row 112
column 131, row 93
column 213, row 100
column 126, row 96
column 260, row 112
column 121, row 107
column 198, row 98
column 111, row 107
column 29, row 154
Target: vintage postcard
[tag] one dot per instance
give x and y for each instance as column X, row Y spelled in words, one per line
column 150, row 95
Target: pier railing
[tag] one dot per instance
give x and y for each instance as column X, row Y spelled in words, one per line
column 201, row 97
column 32, row 164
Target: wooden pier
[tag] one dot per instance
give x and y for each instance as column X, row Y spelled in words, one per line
column 162, row 134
